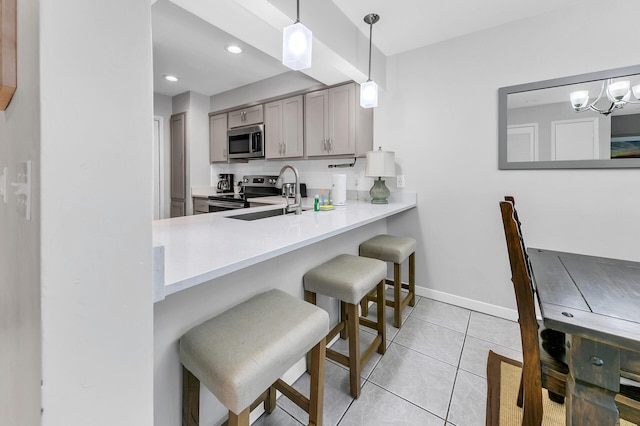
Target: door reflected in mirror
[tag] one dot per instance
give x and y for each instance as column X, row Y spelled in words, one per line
column 586, row 121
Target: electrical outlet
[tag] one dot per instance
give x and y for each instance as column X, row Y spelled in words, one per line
column 400, row 181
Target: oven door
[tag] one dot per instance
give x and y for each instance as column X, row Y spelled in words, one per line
column 223, row 205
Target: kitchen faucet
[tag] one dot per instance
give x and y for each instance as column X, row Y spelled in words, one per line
column 297, row 205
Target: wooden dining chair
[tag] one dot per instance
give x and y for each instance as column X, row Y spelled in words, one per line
column 544, row 364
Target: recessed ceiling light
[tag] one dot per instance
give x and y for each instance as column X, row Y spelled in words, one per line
column 233, row 48
column 170, row 77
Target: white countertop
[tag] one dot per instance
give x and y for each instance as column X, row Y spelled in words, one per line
column 202, row 247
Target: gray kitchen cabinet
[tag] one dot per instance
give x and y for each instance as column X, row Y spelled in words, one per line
column 218, row 138
column 200, row 205
column 178, row 164
column 335, row 124
column 246, row 116
column 283, row 123
column 177, row 209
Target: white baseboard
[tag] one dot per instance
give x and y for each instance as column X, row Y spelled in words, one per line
column 474, row 305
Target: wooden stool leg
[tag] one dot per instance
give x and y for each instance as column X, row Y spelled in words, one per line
column 353, row 321
column 270, row 400
column 412, row 278
column 382, row 326
column 344, row 334
column 364, row 306
column 190, row 399
column 316, row 393
column 241, row 419
column 311, row 298
column 397, row 301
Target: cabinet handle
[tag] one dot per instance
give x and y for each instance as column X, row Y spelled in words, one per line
column 284, row 148
column 324, row 144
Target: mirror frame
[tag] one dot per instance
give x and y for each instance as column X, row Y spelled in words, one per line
column 503, row 92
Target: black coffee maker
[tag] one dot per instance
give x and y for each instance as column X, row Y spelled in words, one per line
column 225, row 182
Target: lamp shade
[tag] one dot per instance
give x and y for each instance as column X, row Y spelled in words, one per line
column 296, row 46
column 380, row 164
column 369, row 94
column 579, row 98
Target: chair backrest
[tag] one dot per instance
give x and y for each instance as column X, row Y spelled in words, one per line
column 523, row 287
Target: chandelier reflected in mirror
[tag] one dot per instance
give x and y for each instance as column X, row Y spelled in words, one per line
column 618, row 94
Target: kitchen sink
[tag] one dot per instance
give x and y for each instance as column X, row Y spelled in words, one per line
column 259, row 215
column 264, row 214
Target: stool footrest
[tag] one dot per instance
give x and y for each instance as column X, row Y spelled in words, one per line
column 368, row 323
column 338, row 357
column 375, row 345
column 335, row 330
column 296, row 397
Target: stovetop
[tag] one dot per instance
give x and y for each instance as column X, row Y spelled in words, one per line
column 253, row 186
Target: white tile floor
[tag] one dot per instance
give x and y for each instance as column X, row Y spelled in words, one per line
column 433, row 373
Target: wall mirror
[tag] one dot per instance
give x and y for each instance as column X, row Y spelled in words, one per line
column 579, row 122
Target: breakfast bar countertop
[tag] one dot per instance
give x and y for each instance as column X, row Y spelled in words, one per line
column 199, row 248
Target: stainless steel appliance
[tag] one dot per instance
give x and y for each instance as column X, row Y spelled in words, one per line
column 253, row 186
column 246, row 142
column 225, row 182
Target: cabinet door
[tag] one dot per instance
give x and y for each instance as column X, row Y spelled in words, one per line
column 253, row 115
column 292, row 127
column 200, row 205
column 178, row 164
column 273, row 130
column 177, row 209
column 316, row 123
column 246, row 116
column 342, row 112
column 218, row 138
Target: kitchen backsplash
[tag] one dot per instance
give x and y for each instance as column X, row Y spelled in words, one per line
column 315, row 173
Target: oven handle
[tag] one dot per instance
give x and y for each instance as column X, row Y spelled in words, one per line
column 226, row 204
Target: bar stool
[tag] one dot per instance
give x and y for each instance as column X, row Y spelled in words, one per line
column 240, row 354
column 349, row 278
column 390, row 248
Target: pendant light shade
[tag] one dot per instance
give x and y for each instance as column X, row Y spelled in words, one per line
column 369, row 94
column 296, row 45
column 369, row 89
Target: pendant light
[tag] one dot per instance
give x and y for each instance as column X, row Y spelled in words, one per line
column 296, row 44
column 369, row 89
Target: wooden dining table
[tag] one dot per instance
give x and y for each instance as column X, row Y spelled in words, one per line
column 596, row 302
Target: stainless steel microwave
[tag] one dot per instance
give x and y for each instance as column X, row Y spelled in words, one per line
column 246, row 142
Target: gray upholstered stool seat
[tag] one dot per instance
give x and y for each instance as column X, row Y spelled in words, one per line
column 241, row 353
column 390, row 248
column 349, row 278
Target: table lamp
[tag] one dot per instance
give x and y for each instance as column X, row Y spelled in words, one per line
column 380, row 164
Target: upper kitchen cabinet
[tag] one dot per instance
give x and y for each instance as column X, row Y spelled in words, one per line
column 335, row 124
column 246, row 116
column 283, row 123
column 218, row 138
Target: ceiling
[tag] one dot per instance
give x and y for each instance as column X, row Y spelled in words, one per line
column 193, row 49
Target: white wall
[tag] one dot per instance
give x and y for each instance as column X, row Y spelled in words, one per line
column 20, row 348
column 198, row 131
column 197, row 165
column 96, row 140
column 440, row 117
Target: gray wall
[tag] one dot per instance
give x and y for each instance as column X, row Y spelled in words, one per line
column 20, row 331
column 440, row 117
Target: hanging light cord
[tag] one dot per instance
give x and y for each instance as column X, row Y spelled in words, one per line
column 370, row 37
column 297, row 11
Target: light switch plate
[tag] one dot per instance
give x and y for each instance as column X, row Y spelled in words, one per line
column 3, row 184
column 23, row 189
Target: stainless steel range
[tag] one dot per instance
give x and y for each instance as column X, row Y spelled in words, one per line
column 253, row 186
